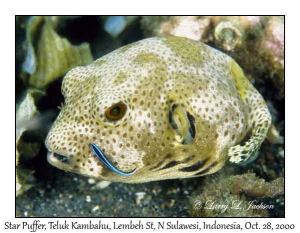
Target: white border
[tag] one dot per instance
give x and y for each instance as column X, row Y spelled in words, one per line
column 173, row 7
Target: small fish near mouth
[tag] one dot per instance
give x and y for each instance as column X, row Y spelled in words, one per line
column 101, row 156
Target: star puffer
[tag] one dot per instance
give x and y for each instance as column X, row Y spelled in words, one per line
column 163, row 108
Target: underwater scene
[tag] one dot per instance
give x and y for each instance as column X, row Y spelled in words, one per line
column 150, row 116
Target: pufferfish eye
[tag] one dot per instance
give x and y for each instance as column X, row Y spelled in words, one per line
column 115, row 112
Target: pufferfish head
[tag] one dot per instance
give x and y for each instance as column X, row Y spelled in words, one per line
column 119, row 107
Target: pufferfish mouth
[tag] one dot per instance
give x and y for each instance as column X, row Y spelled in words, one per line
column 58, row 160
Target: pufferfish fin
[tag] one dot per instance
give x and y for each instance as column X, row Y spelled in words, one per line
column 259, row 122
column 182, row 122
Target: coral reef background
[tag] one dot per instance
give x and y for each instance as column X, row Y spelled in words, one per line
column 47, row 47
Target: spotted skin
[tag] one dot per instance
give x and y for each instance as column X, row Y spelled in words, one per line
column 216, row 108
